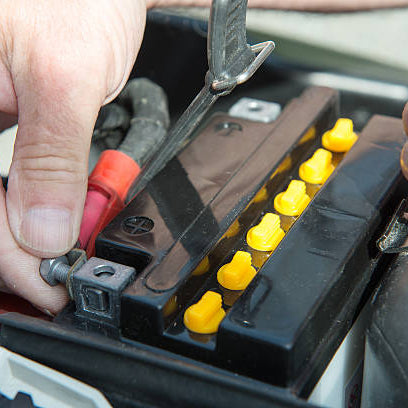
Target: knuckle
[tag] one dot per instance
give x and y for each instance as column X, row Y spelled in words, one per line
column 67, row 73
column 49, row 71
column 44, row 162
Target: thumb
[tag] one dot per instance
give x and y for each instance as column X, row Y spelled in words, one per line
column 48, row 176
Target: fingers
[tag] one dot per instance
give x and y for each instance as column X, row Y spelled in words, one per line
column 57, row 110
column 61, row 77
column 20, row 271
column 404, row 153
column 56, row 77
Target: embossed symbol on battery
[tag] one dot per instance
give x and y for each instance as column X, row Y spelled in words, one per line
column 136, row 225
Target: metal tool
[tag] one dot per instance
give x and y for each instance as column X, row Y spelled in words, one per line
column 231, row 61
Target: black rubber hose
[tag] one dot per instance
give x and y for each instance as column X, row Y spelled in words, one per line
column 150, row 119
column 111, row 126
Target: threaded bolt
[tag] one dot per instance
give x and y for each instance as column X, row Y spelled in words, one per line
column 55, row 270
column 61, row 272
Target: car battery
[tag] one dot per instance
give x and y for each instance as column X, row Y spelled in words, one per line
column 254, row 252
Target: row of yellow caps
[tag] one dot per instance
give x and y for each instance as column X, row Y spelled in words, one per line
column 206, row 315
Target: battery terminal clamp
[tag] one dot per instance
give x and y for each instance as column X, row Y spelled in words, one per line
column 95, row 285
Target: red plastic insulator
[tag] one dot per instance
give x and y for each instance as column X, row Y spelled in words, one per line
column 108, row 185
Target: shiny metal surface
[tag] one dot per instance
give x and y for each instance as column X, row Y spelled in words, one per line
column 262, row 50
column 54, row 270
column 255, row 109
column 231, row 61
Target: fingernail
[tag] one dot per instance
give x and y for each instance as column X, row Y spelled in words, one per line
column 47, row 229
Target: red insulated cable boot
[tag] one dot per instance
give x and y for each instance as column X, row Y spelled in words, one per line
column 108, row 185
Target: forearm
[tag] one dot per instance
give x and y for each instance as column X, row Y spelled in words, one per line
column 305, row 5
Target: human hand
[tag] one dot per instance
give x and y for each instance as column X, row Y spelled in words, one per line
column 59, row 62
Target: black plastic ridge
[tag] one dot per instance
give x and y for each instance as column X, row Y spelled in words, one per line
column 287, row 311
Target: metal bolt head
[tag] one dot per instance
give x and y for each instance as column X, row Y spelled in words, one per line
column 47, row 269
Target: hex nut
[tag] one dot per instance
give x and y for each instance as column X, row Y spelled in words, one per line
column 47, row 269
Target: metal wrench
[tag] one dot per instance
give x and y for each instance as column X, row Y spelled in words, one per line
column 231, row 61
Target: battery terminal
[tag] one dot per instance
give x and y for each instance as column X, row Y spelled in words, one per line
column 205, row 316
column 237, row 274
